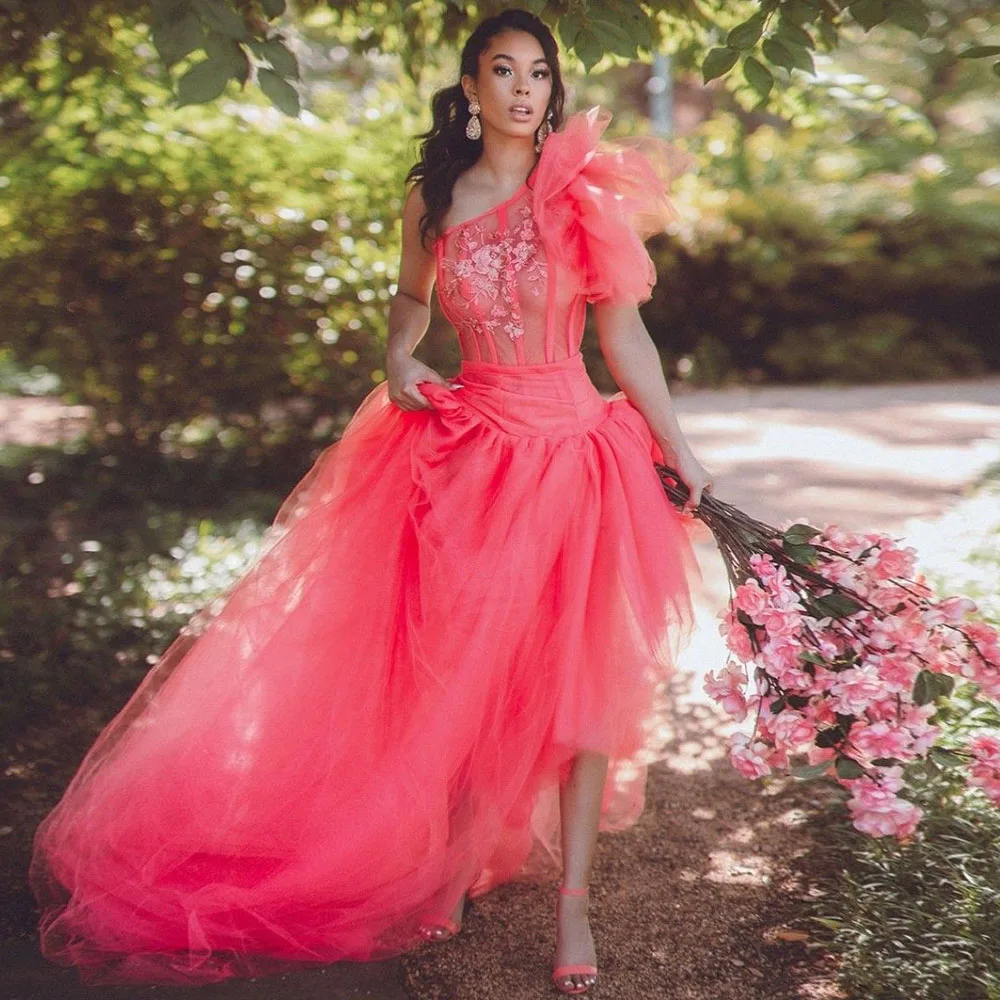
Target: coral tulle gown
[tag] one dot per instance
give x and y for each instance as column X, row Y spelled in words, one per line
column 450, row 604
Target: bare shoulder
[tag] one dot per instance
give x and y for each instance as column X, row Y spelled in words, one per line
column 414, row 201
column 416, row 270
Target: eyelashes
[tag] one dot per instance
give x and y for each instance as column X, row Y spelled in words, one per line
column 539, row 74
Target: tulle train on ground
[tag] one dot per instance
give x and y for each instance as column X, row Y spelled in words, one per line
column 451, row 603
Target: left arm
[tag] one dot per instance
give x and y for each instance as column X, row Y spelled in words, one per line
column 634, row 363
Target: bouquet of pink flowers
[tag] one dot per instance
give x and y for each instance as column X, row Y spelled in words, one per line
column 849, row 655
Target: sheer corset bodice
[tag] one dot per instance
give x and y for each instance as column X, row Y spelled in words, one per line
column 501, row 291
column 515, row 280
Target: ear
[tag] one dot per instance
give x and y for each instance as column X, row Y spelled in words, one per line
column 468, row 87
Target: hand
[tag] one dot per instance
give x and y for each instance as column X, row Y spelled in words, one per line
column 692, row 473
column 403, row 372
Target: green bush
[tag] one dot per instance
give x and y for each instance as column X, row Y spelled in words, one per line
column 171, row 266
column 100, row 565
column 921, row 921
column 767, row 289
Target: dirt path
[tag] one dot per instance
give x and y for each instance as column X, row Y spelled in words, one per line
column 704, row 898
column 698, row 901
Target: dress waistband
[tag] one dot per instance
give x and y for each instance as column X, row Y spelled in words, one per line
column 571, row 363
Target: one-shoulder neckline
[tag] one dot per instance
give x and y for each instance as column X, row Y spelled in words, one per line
column 489, row 211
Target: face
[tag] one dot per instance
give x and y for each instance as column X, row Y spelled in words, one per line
column 512, row 71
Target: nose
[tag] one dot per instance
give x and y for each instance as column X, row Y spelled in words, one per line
column 520, row 88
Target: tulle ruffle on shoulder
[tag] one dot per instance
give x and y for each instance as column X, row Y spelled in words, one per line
column 597, row 201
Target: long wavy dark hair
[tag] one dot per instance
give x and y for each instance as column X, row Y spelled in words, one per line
column 446, row 150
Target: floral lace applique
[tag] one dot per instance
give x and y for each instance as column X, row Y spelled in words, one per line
column 486, row 269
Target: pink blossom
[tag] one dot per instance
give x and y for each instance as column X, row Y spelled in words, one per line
column 815, row 754
column 736, row 635
column 748, row 758
column 855, row 689
column 792, row 729
column 727, row 690
column 763, row 566
column 880, row 739
column 778, row 622
column 990, row 784
column 897, row 670
column 904, row 630
column 985, row 747
column 984, row 770
column 894, row 562
column 751, row 600
column 957, row 609
column 779, row 655
column 877, row 810
column 986, row 640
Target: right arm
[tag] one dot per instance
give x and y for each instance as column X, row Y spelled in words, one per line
column 409, row 313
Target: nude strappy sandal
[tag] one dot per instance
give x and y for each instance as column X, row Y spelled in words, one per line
column 561, row 971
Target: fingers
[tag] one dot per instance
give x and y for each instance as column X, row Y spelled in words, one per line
column 411, row 398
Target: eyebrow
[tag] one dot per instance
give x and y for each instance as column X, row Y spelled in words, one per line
column 503, row 55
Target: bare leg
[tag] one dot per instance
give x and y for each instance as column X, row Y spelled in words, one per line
column 580, row 809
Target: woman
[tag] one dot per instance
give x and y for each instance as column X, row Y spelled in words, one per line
column 441, row 673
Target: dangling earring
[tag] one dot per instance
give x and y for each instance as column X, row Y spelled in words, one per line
column 543, row 132
column 474, row 128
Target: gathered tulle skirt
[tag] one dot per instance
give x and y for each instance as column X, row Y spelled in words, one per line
column 379, row 715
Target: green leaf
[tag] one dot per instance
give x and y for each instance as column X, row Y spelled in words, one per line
column 279, row 91
column 273, row 8
column 812, row 657
column 717, row 62
column 908, row 15
column 791, row 33
column 802, row 58
column 829, row 737
column 569, row 28
column 979, row 51
column 828, row 33
column 616, row 38
column 924, row 689
column 806, row 771
column 832, row 923
column 848, row 767
column 219, row 16
column 868, row 13
column 799, row 533
column 281, row 59
column 202, row 83
column 800, row 11
column 176, row 39
column 229, row 53
column 588, row 48
column 835, row 605
column 758, row 76
column 745, row 35
column 806, row 555
column 637, row 22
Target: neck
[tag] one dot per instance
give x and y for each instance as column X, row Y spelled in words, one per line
column 507, row 161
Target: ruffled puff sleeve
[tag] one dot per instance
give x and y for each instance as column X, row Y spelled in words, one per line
column 597, row 201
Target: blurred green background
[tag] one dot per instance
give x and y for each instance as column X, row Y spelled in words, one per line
column 208, row 285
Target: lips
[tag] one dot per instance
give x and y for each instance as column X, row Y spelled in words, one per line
column 520, row 111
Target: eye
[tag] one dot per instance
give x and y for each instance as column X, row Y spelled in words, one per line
column 542, row 73
column 500, row 69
